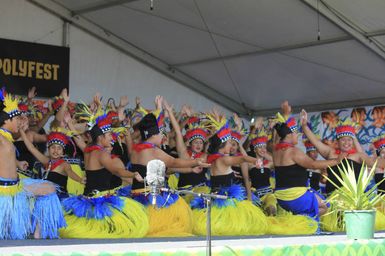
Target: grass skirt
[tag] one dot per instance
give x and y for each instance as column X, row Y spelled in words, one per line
column 232, row 216
column 21, row 212
column 170, row 217
column 104, row 216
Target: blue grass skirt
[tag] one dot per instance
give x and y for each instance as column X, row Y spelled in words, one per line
column 21, row 211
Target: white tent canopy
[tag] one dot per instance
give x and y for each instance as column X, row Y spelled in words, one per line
column 249, row 55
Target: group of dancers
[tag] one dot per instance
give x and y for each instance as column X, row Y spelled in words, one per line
column 86, row 177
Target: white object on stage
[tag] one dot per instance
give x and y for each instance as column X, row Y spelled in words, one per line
column 155, row 176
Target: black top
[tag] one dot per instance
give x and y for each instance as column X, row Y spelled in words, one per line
column 222, row 181
column 192, row 179
column 116, row 181
column 169, row 151
column 99, row 180
column 260, row 177
column 238, row 170
column 314, row 179
column 290, row 176
column 121, row 151
column 58, row 179
column 378, row 177
column 329, row 186
column 142, row 170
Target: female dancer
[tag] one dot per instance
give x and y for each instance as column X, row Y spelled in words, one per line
column 171, row 216
column 290, row 172
column 347, row 141
column 27, row 205
column 261, row 174
column 57, row 170
column 235, row 215
column 100, row 213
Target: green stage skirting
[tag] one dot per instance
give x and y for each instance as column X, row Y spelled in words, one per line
column 348, row 248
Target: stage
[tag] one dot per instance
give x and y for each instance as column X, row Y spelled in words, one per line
column 326, row 245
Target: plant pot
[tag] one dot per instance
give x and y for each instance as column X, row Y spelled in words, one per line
column 359, row 224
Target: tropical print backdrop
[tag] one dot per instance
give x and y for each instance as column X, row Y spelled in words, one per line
column 370, row 124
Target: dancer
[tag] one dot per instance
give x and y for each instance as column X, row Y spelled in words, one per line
column 17, row 218
column 101, row 213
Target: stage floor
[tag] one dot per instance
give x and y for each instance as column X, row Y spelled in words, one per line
column 336, row 244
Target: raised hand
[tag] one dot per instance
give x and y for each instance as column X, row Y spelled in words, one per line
column 303, row 117
column 167, row 106
column 23, row 124
column 137, row 102
column 64, row 94
column 67, row 117
column 123, row 101
column 189, row 111
column 237, row 121
column 31, row 93
column 286, row 108
column 121, row 114
column 158, row 102
column 97, row 100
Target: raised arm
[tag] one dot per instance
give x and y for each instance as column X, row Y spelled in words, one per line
column 34, row 151
column 63, row 109
column 77, row 138
column 322, row 148
column 36, row 137
column 180, row 145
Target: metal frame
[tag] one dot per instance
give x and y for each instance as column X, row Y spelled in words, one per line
column 99, row 6
column 362, row 38
column 268, row 50
column 142, row 56
column 192, row 83
column 325, row 106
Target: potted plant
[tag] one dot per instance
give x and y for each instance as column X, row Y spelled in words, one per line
column 356, row 200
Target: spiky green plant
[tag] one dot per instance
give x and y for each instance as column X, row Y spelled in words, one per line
column 352, row 194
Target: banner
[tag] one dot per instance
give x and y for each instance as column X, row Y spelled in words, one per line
column 24, row 65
